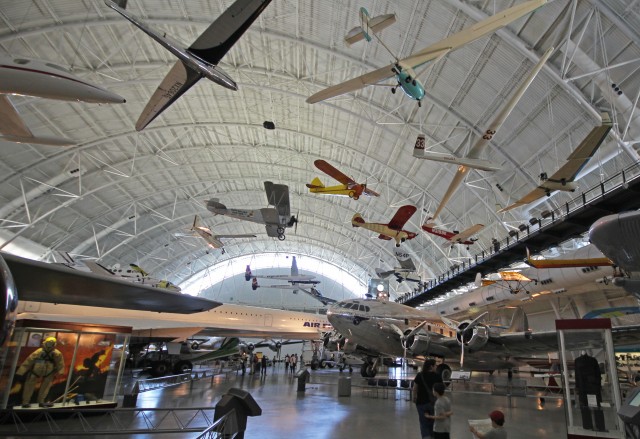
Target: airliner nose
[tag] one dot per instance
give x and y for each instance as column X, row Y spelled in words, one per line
column 103, row 96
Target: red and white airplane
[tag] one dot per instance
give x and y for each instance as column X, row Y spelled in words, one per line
column 348, row 187
column 41, row 79
column 392, row 230
column 454, row 237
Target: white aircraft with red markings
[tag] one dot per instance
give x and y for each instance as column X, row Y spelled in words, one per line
column 348, row 188
column 455, row 237
column 393, row 229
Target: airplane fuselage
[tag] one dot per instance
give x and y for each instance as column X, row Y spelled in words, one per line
column 227, row 319
column 550, row 185
column 351, row 191
column 410, row 86
column 399, row 236
column 28, row 77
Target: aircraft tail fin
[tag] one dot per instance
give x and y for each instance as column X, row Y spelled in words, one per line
column 429, row 222
column 294, row 267
column 383, row 273
column 213, row 204
column 418, row 148
column 315, row 183
column 368, row 27
column 478, row 280
column 247, row 273
column 357, row 220
column 254, row 284
column 519, row 321
column 196, row 223
column 138, row 269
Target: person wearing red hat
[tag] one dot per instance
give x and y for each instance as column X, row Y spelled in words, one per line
column 497, row 432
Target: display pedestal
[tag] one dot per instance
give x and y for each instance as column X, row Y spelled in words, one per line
column 86, row 373
column 590, row 379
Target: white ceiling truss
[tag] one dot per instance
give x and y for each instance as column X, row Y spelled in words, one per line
column 121, row 195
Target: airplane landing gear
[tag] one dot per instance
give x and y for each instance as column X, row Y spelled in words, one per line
column 281, row 237
column 444, row 371
column 280, row 230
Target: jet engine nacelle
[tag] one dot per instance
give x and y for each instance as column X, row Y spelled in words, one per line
column 474, row 339
column 419, row 345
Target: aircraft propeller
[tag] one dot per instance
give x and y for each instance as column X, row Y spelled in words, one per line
column 404, row 338
column 462, row 329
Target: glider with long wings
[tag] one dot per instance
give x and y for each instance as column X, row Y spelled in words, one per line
column 199, row 60
column 402, row 69
column 349, row 187
column 564, row 178
column 490, row 132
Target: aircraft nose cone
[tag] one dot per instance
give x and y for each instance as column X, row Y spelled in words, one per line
column 104, row 96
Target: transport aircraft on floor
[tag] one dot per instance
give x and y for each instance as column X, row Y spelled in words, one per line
column 348, row 187
column 201, row 59
column 41, row 79
column 403, row 69
column 377, row 329
column 564, row 178
column 391, row 230
column 276, row 219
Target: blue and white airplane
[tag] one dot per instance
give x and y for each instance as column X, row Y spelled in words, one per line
column 402, row 69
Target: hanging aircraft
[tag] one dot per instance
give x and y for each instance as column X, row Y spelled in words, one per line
column 567, row 263
column 488, row 134
column 392, row 230
column 377, row 329
column 132, row 274
column 475, row 163
column 42, row 79
column 276, row 219
column 455, row 237
column 348, row 187
column 199, row 60
column 564, row 178
column 213, row 241
column 402, row 69
column 403, row 271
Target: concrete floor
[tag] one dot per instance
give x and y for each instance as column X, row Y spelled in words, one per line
column 320, row 414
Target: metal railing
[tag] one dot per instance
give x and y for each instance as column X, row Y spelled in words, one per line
column 547, row 219
column 97, row 421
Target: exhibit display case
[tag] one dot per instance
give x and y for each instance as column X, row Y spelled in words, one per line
column 54, row 364
column 589, row 378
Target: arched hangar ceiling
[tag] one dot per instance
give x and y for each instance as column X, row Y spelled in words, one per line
column 122, row 195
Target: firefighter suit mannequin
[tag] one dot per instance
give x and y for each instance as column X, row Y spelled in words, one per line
column 43, row 364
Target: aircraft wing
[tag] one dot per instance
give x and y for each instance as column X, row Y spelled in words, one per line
column 466, row 234
column 354, row 84
column 333, row 172
column 494, row 126
column 529, row 198
column 272, row 230
column 52, row 283
column 278, row 196
column 581, row 155
column 179, row 79
column 14, row 130
column 235, row 236
column 226, row 30
column 401, row 217
column 466, row 36
column 575, row 162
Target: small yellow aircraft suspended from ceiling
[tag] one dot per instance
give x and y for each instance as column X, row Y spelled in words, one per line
column 348, row 188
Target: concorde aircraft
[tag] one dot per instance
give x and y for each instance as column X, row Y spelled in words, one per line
column 201, row 59
column 42, row 79
column 376, row 329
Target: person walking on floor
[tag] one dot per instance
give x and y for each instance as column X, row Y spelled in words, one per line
column 286, row 363
column 263, row 369
column 424, row 398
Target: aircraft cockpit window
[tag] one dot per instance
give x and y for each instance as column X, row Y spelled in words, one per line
column 367, row 309
column 21, row 61
column 53, row 66
column 361, row 308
